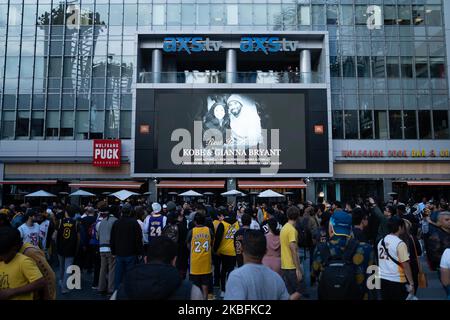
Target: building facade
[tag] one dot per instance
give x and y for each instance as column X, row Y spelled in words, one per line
column 70, row 72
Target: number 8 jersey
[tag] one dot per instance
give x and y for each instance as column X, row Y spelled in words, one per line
column 201, row 251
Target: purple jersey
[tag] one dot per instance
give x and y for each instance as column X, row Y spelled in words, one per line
column 155, row 227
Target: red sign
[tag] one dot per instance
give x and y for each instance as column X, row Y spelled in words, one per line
column 107, row 153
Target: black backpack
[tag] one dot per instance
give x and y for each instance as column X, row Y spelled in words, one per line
column 337, row 281
column 304, row 234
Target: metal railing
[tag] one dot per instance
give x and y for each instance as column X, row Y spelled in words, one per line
column 204, row 77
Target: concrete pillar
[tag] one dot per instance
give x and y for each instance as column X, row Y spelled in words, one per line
column 338, row 191
column 387, row 188
column 311, row 191
column 2, row 176
column 231, row 185
column 305, row 66
column 153, row 197
column 231, row 66
column 156, row 65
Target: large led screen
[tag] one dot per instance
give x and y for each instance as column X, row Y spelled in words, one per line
column 231, row 131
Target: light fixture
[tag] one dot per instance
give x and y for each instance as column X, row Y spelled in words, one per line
column 321, row 194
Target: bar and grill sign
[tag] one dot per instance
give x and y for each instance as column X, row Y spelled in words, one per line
column 107, row 153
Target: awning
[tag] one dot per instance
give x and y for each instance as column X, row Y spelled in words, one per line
column 428, row 183
column 107, row 184
column 29, row 182
column 271, row 184
column 191, row 184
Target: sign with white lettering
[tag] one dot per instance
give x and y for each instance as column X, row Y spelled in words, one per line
column 107, row 153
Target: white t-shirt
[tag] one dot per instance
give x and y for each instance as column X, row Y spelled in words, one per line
column 30, row 234
column 445, row 260
column 254, row 225
column 398, row 250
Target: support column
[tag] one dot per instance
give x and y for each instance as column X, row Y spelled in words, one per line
column 338, row 191
column 156, row 65
column 387, row 188
column 311, row 191
column 305, row 66
column 231, row 185
column 153, row 197
column 231, row 65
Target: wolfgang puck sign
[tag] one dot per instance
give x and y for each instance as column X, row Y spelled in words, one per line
column 107, row 153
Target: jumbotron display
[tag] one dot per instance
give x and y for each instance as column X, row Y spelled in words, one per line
column 230, row 131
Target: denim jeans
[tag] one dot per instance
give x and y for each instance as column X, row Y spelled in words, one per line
column 123, row 264
column 64, row 263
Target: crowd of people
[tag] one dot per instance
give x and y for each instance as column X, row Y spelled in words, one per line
column 141, row 250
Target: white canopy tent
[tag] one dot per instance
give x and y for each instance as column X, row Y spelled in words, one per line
column 233, row 193
column 190, row 193
column 40, row 194
column 270, row 194
column 123, row 194
column 81, row 193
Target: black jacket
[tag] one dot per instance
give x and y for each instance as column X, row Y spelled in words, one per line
column 220, row 230
column 126, row 238
column 154, row 282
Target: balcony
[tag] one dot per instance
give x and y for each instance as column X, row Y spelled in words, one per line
column 211, row 76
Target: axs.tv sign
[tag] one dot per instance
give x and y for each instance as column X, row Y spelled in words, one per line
column 248, row 44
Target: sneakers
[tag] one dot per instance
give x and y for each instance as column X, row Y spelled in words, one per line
column 210, row 296
column 222, row 294
column 94, row 288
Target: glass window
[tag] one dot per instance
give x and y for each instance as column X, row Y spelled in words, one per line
column 67, row 124
column 348, row 66
column 346, row 15
column 392, row 67
column 8, row 124
column 366, row 124
column 217, row 15
column 26, row 67
column 410, row 125
column 318, row 15
column 404, row 15
column 144, row 14
column 22, row 123
column 433, row 15
column 130, row 14
column 304, row 15
column 378, row 66
column 173, row 14
column 418, row 13
column 55, row 67
column 202, row 15
column 335, row 66
column 260, row 14
column 15, row 15
column 103, row 13
column 351, row 124
column 232, row 15
column 381, row 128
column 363, row 67
column 112, row 124
column 52, row 124
column 332, row 14
column 440, row 121
column 116, row 15
column 338, row 128
column 3, row 14
column 406, row 67
column 188, row 14
column 158, row 15
column 97, row 124
column 37, row 124
column 390, row 15
column 274, row 13
column 82, row 125
column 425, row 124
column 125, row 124
column 421, row 67
column 395, row 124
column 437, row 67
column 11, row 68
column 361, row 15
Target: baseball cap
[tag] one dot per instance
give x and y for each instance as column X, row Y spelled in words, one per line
column 164, row 206
column 341, row 222
column 156, row 207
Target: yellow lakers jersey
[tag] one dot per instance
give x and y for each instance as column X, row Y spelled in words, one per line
column 227, row 244
column 201, row 251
